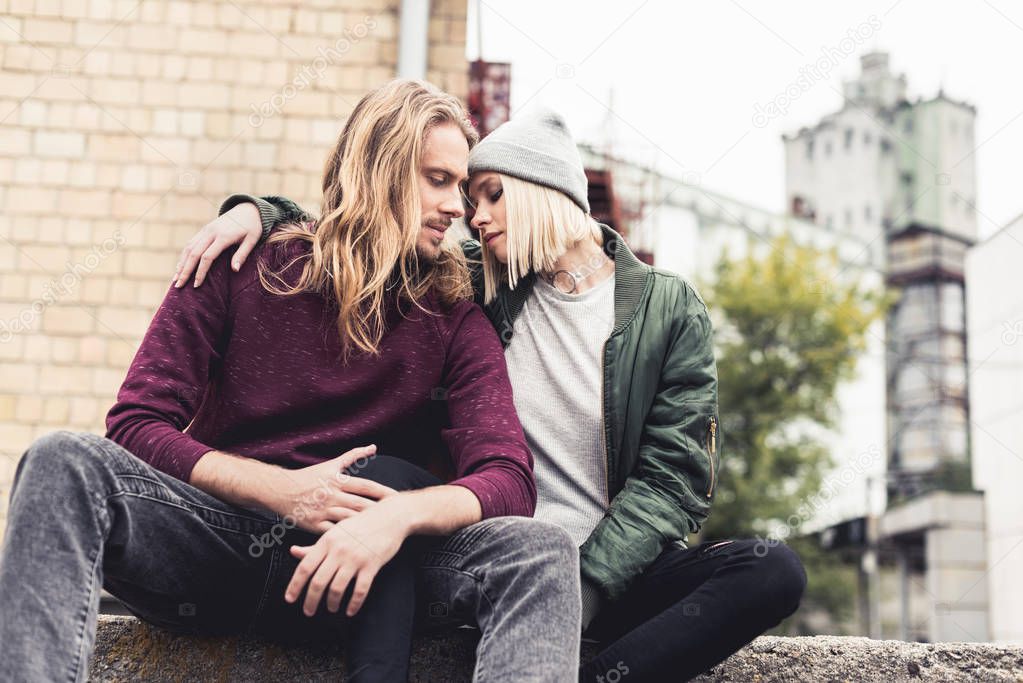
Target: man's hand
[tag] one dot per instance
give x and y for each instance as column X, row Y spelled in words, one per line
column 357, row 547
column 320, row 495
column 353, row 549
column 240, row 225
column 315, row 497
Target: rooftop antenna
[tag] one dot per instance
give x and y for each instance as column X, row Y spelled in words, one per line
column 479, row 30
column 610, row 129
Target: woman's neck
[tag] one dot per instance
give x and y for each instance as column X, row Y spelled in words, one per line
column 582, row 267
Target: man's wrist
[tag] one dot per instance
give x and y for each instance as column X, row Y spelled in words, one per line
column 436, row 510
column 269, row 487
column 402, row 508
column 238, row 480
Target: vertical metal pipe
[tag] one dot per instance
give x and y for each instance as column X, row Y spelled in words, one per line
column 413, row 31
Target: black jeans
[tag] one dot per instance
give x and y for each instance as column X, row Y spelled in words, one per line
column 692, row 608
column 379, row 639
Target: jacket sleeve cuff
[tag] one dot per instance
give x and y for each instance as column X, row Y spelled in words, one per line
column 269, row 214
column 593, row 600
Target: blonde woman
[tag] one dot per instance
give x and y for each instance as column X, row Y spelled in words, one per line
column 612, row 367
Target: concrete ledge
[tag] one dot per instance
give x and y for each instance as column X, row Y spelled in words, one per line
column 833, row 658
column 129, row 650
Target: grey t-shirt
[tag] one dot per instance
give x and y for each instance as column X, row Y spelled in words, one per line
column 555, row 365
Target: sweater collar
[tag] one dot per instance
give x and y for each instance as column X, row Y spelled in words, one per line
column 631, row 276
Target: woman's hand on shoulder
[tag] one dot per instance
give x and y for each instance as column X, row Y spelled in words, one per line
column 241, row 225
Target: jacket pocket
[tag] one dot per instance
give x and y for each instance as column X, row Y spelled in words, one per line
column 701, row 428
column 711, row 445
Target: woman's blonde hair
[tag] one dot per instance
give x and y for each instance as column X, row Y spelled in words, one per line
column 541, row 224
column 364, row 244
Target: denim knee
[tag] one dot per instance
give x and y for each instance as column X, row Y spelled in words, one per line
column 61, row 466
column 535, row 537
column 57, row 452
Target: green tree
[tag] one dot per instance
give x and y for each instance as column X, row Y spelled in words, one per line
column 790, row 325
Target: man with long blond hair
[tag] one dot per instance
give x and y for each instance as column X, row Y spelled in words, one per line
column 218, row 502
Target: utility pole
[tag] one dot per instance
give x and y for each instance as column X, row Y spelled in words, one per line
column 870, row 571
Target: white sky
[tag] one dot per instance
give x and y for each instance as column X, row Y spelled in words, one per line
column 686, row 76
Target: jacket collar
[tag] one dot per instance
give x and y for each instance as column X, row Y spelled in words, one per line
column 631, row 277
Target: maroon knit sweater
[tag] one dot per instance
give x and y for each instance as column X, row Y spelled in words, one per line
column 259, row 375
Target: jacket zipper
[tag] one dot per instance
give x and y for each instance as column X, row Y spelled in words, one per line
column 603, row 428
column 712, row 447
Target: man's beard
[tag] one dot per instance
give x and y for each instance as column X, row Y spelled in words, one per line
column 429, row 255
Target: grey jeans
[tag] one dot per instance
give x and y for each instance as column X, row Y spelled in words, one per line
column 85, row 513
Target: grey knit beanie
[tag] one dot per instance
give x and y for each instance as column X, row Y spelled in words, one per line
column 536, row 147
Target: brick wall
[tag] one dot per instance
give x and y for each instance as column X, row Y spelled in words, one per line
column 123, row 124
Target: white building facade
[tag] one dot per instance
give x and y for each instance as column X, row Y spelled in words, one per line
column 901, row 176
column 995, row 323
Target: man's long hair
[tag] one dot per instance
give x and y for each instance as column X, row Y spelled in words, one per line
column 363, row 248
